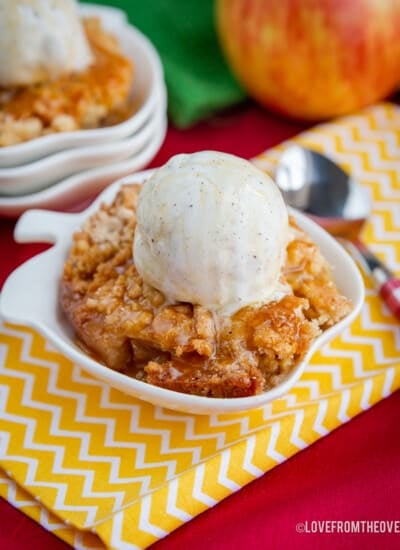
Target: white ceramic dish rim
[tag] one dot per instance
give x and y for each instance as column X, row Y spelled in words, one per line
column 117, row 16
column 64, row 158
column 54, row 227
column 34, row 177
column 77, row 188
column 15, row 155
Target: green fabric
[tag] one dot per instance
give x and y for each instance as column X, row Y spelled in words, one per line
column 183, row 31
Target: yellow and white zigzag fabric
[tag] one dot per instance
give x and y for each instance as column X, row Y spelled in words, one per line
column 103, row 470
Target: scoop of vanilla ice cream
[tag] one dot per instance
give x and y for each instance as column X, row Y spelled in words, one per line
column 212, row 229
column 40, row 40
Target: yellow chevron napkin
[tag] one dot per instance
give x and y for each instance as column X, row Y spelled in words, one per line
column 103, row 470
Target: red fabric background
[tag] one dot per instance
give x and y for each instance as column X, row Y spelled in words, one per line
column 353, row 473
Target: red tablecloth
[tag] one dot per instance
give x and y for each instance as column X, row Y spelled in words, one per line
column 352, row 474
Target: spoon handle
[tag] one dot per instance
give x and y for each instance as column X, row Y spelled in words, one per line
column 388, row 284
column 390, row 293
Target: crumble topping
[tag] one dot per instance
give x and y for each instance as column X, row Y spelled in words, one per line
column 131, row 327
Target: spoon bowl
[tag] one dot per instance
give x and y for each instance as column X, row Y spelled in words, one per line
column 315, row 184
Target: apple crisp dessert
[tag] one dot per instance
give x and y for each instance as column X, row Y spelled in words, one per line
column 95, row 97
column 131, row 327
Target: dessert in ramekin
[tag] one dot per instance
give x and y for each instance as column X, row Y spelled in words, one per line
column 199, row 281
column 58, row 73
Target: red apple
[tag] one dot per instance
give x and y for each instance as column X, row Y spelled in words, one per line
column 312, row 59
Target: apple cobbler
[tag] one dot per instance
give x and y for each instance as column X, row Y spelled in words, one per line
column 94, row 97
column 131, row 327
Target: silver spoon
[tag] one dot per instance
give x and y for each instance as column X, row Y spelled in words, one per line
column 316, row 185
